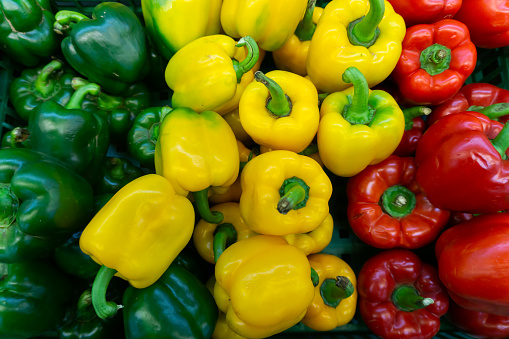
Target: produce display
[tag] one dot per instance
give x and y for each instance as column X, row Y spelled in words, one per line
column 235, row 169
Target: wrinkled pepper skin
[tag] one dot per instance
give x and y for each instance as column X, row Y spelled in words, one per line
column 177, row 305
column 470, row 265
column 425, row 11
column 26, row 30
column 116, row 173
column 44, row 203
column 172, row 24
column 314, row 241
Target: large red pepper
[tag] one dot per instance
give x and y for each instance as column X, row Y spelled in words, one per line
column 473, row 263
column 387, row 209
column 425, row 11
column 401, row 297
column 462, row 163
column 414, row 128
column 435, row 62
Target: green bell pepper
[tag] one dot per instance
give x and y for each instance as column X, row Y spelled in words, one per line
column 116, row 173
column 110, row 49
column 26, row 30
column 37, row 85
column 18, row 137
column 42, row 203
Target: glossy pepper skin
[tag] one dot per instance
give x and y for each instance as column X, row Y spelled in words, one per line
column 26, row 30
column 173, row 24
column 44, row 202
column 269, row 23
column 459, row 168
column 435, row 62
column 109, row 49
column 414, row 129
column 375, row 51
column 314, row 241
column 284, row 193
column 264, row 286
column 425, row 11
column 387, row 208
column 470, row 266
column 37, row 85
column 116, row 173
column 400, row 296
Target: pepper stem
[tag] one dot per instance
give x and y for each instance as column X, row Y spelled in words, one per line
column 435, row 59
column 253, row 53
column 43, row 83
column 493, row 112
column 364, row 31
column 414, row 112
column 202, row 205
column 335, row 290
column 315, row 278
column 224, row 236
column 65, row 19
column 18, row 136
column 358, row 111
column 398, row 201
column 407, row 298
column 501, row 141
column 294, row 194
column 84, row 310
column 105, row 101
column 104, row 309
column 306, row 27
column 77, row 98
column 9, row 205
column 278, row 102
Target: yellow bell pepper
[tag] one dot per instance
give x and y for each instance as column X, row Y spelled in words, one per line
column 280, row 110
column 210, row 73
column 284, row 193
column 136, row 236
column 359, row 127
column 196, row 151
column 360, row 33
column 270, row 23
column 233, row 119
column 314, row 241
column 335, row 298
column 264, row 286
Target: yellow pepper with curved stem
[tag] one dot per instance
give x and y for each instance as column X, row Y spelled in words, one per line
column 314, row 241
column 269, row 22
column 264, row 286
column 280, row 110
column 366, row 34
column 335, row 298
column 284, row 193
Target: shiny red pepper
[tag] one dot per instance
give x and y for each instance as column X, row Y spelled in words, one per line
column 435, row 62
column 414, row 128
column 462, row 163
column 387, row 209
column 473, row 263
column 425, row 11
column 401, row 297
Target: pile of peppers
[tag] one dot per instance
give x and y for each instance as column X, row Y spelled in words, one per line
column 182, row 171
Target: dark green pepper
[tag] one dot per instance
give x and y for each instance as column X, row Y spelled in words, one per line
column 26, row 30
column 177, row 305
column 18, row 137
column 116, row 173
column 110, row 49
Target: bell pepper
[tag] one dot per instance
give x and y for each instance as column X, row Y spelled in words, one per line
column 400, row 296
column 43, row 203
column 173, row 24
column 462, row 163
column 471, row 266
column 109, row 49
column 26, row 30
column 233, row 119
column 33, row 295
column 280, row 110
column 284, row 193
column 264, row 286
column 37, row 85
column 314, row 241
column 196, row 151
column 458, row 217
column 155, row 225
column 18, row 137
column 387, row 208
column 365, row 34
column 71, row 259
column 425, row 11
column 293, row 54
column 335, row 299
column 358, row 127
column 487, row 21
column 211, row 73
column 435, row 62
column 115, row 174
column 414, row 128
column 269, row 23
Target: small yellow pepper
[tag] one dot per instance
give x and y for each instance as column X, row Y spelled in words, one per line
column 335, row 298
column 314, row 241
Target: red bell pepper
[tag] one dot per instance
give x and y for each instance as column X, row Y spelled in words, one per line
column 435, row 62
column 425, row 11
column 462, row 163
column 400, row 296
column 478, row 324
column 387, row 209
column 473, row 263
column 487, row 20
column 414, row 128
column 458, row 217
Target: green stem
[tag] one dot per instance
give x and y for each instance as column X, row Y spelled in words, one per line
column 294, row 194
column 358, row 111
column 202, row 205
column 77, row 98
column 43, row 84
column 64, row 20
column 398, row 201
column 104, row 309
column 105, row 101
column 407, row 298
column 253, row 53
column 435, row 59
column 19, row 135
column 501, row 141
column 414, row 112
column 9, row 205
column 494, row 112
column 85, row 311
column 311, row 149
column 278, row 103
column 335, row 290
column 364, row 31
column 315, row 278
column 306, row 27
column 225, row 235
